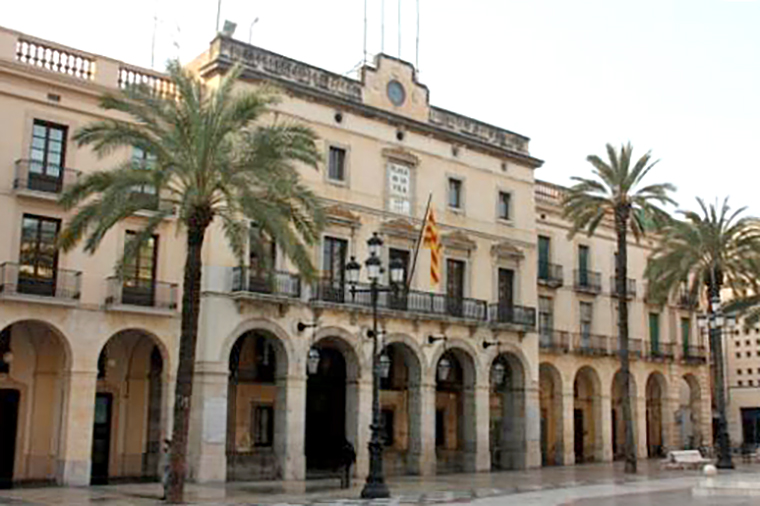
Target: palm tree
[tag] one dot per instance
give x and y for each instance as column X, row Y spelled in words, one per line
column 214, row 162
column 617, row 192
column 701, row 254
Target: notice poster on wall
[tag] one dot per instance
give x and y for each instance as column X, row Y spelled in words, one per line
column 215, row 420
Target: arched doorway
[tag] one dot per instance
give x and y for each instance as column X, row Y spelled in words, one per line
column 455, row 412
column 255, row 407
column 33, row 359
column 400, row 405
column 507, row 413
column 617, row 393
column 331, row 406
column 129, row 408
column 688, row 416
column 656, row 409
column 587, row 416
column 550, row 401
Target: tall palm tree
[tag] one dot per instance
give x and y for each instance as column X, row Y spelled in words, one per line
column 617, row 192
column 214, row 162
column 704, row 252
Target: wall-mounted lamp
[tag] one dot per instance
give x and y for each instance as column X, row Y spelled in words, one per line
column 433, row 339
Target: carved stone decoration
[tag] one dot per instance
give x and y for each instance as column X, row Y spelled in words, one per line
column 507, row 251
column 339, row 215
column 459, row 240
column 401, row 229
column 401, row 155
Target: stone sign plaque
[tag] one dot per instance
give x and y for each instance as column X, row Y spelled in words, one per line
column 215, row 420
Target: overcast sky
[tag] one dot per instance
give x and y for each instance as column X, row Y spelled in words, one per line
column 681, row 78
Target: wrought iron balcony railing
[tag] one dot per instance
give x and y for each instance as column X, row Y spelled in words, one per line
column 40, row 280
column 550, row 275
column 694, row 354
column 588, row 281
column 143, row 293
column 40, row 177
column 411, row 301
column 554, row 340
column 630, row 287
column 280, row 283
column 660, row 351
column 684, row 300
column 510, row 314
column 590, row 344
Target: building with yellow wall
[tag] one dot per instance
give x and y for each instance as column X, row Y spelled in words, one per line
column 522, row 321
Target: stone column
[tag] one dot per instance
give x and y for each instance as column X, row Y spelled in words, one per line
column 425, row 444
column 477, row 433
column 640, row 426
column 358, row 419
column 207, row 440
column 290, row 419
column 532, row 428
column 75, row 450
column 670, row 436
column 604, row 433
column 568, row 426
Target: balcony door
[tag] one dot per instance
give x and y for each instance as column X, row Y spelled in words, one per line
column 38, row 256
column 506, row 295
column 545, row 320
column 262, row 259
column 455, row 286
column 544, row 245
column 46, row 156
column 399, row 298
column 334, row 254
column 583, row 264
column 139, row 282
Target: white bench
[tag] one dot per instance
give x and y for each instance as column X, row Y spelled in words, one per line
column 684, row 459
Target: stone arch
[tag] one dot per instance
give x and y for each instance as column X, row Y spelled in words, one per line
column 357, row 364
column 616, row 402
column 656, row 411
column 517, row 356
column 401, row 405
column 34, row 388
column 261, row 324
column 551, row 406
column 475, row 374
column 587, row 416
column 414, row 348
column 508, row 400
column 130, row 406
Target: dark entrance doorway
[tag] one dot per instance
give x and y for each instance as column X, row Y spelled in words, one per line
column 101, row 438
column 9, row 400
column 578, row 439
column 325, row 413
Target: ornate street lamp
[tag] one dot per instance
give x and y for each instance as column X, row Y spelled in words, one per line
column 375, row 486
column 312, row 361
column 444, row 368
column 497, row 374
column 714, row 322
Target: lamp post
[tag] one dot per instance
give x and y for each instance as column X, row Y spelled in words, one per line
column 375, row 486
column 714, row 321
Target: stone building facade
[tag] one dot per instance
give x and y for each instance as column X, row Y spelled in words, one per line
column 529, row 376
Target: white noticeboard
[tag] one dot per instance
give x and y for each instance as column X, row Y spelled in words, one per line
column 215, row 420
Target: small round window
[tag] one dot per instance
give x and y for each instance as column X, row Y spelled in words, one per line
column 396, row 93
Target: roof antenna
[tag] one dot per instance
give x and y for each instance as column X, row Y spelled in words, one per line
column 417, row 49
column 399, row 30
column 382, row 26
column 364, row 61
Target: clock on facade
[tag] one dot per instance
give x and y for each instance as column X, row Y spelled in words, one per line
column 396, row 93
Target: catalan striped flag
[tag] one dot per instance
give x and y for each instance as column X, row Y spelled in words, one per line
column 432, row 240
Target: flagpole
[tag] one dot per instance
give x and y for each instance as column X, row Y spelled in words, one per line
column 419, row 241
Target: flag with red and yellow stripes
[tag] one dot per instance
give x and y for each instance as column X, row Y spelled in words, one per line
column 432, row 240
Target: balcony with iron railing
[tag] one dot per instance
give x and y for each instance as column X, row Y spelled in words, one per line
column 693, row 354
column 123, row 293
column 590, row 344
column 658, row 352
column 60, row 285
column 635, row 346
column 42, row 180
column 550, row 275
column 557, row 341
column 512, row 315
column 630, row 287
column 586, row 281
column 275, row 283
column 409, row 302
column 685, row 300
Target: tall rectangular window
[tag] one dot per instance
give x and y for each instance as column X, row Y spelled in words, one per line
column 143, row 159
column 38, row 256
column 336, row 167
column 455, row 193
column 387, row 426
column 583, row 265
column 440, row 427
column 686, row 335
column 399, row 188
column 504, row 206
column 545, row 319
column 47, row 156
column 654, row 332
column 334, row 253
column 262, row 252
column 455, row 286
column 140, row 273
column 544, row 249
column 587, row 314
column 262, row 424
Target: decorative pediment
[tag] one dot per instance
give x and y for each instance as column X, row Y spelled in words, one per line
column 507, row 250
column 401, row 155
column 339, row 215
column 458, row 240
column 400, row 228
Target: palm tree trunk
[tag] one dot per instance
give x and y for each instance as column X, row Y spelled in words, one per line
column 621, row 280
column 191, row 298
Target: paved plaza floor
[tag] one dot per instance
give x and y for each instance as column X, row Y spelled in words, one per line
column 584, row 485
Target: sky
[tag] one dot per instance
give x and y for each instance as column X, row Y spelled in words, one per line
column 678, row 77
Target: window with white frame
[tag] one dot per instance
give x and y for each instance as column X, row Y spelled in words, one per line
column 504, row 207
column 545, row 319
column 399, row 188
column 336, row 164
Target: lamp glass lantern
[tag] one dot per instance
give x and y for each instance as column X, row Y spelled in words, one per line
column 8, row 357
column 384, row 365
column 312, row 361
column 374, row 265
column 396, row 267
column 720, row 320
column 444, row 368
column 497, row 374
column 702, row 321
column 375, row 245
column 353, row 268
column 730, row 321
